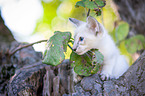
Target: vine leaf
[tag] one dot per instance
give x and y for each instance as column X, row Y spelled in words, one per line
column 94, row 5
column 90, row 4
column 56, row 46
column 80, row 3
column 100, row 3
column 87, row 64
column 87, row 4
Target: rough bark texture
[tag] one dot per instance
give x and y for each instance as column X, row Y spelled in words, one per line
column 133, row 81
column 133, row 12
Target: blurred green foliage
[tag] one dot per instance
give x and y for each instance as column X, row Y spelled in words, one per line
column 121, row 31
column 135, row 43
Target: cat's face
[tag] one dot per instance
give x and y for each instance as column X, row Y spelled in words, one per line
column 87, row 35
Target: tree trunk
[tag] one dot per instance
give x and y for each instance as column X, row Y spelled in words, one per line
column 133, row 12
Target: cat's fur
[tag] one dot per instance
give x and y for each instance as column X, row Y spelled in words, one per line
column 92, row 35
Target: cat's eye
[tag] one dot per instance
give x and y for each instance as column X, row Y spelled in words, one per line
column 81, row 38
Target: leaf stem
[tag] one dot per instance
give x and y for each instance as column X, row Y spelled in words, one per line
column 70, row 47
column 88, row 12
column 24, row 46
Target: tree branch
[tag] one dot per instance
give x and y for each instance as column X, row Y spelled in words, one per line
column 24, row 46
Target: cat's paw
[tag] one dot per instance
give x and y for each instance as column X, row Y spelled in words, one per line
column 105, row 76
column 77, row 78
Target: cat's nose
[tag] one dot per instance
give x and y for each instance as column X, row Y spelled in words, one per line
column 74, row 49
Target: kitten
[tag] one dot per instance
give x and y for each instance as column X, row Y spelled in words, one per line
column 92, row 35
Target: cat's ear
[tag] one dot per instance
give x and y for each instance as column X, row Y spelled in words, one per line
column 93, row 24
column 75, row 22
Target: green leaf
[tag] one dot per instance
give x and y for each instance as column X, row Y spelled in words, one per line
column 100, row 3
column 135, row 43
column 87, row 4
column 90, row 4
column 80, row 3
column 87, row 64
column 121, row 31
column 57, row 45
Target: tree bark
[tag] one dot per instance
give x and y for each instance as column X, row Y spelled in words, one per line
column 133, row 12
column 133, row 81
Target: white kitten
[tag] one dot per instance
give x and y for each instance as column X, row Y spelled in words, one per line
column 92, row 35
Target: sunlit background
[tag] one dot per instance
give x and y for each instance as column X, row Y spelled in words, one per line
column 34, row 20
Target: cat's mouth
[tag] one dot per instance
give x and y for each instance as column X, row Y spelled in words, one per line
column 82, row 52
